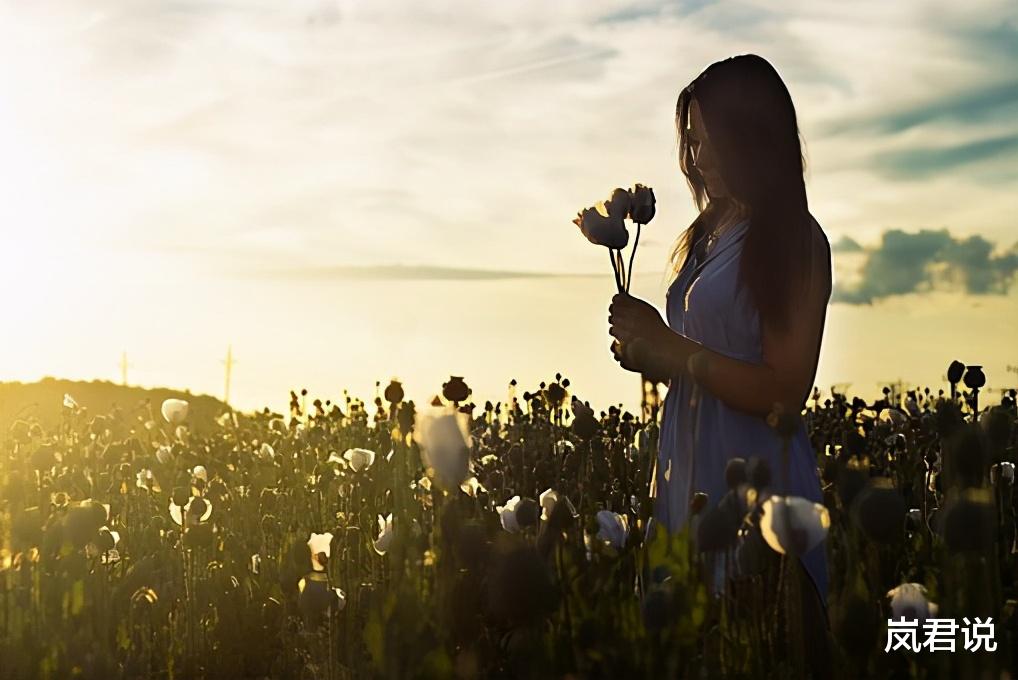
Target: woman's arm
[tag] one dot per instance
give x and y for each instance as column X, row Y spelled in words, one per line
column 789, row 356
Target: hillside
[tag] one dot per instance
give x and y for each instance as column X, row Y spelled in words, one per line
column 43, row 401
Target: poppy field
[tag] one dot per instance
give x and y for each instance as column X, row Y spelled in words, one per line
column 388, row 539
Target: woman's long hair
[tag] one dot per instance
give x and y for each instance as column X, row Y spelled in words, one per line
column 752, row 126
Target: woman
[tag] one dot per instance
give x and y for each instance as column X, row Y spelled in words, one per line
column 747, row 306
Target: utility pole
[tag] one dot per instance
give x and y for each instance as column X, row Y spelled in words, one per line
column 123, row 368
column 898, row 391
column 228, row 362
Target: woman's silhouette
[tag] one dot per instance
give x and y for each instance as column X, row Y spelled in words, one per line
column 746, row 308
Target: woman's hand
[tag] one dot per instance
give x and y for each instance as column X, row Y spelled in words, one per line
column 636, row 356
column 631, row 318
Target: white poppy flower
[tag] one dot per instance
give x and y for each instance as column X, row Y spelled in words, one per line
column 548, row 499
column 146, row 479
column 1003, row 470
column 181, row 433
column 164, row 454
column 359, row 459
column 334, row 458
column 507, row 513
column 256, row 564
column 69, row 401
column 564, row 446
column 178, row 512
column 320, row 543
column 424, row 483
column 444, row 438
column 893, row 416
column 472, row 487
column 909, row 601
column 793, row 525
column 613, row 528
column 174, row 411
column 385, row 534
column 266, row 452
column 340, row 599
column 199, row 472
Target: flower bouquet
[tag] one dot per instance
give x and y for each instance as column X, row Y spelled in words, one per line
column 605, row 225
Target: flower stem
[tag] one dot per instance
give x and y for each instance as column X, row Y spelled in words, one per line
column 622, row 269
column 632, row 254
column 615, row 268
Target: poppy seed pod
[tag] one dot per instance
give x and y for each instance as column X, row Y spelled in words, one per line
column 394, row 392
column 735, row 472
column 955, row 371
column 555, row 394
column 879, row 510
column 455, row 389
column 974, row 377
column 698, row 503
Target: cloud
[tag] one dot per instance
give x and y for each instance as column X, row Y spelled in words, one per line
column 996, row 101
column 846, row 244
column 917, row 262
column 399, row 272
column 917, row 163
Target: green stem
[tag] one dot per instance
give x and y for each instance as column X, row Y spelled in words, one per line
column 632, row 254
column 615, row 268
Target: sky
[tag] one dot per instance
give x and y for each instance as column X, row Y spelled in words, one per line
column 347, row 192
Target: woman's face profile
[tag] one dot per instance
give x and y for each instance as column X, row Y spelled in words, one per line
column 703, row 153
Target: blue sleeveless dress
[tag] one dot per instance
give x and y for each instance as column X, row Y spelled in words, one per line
column 725, row 321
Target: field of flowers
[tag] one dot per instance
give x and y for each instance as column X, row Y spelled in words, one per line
column 509, row 540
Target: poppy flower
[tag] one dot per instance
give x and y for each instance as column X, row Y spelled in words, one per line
column 909, row 601
column 174, row 411
column 385, row 534
column 507, row 514
column 359, row 459
column 613, row 528
column 321, row 549
column 793, row 525
column 601, row 228
column 641, row 204
column 444, row 440
column 194, row 511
